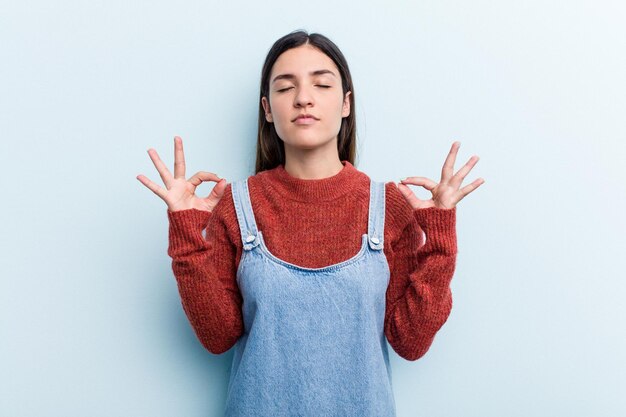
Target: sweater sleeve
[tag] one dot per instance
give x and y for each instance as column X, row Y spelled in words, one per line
column 419, row 299
column 205, row 271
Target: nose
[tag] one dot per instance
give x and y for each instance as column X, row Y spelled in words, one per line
column 303, row 97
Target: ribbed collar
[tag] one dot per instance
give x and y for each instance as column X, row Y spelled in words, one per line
column 310, row 190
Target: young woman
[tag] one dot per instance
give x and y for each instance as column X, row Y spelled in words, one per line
column 308, row 267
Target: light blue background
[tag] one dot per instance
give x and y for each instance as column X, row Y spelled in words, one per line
column 90, row 318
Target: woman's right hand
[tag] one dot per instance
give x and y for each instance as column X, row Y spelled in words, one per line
column 180, row 193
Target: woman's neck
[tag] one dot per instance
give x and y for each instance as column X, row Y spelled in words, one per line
column 342, row 184
column 313, row 165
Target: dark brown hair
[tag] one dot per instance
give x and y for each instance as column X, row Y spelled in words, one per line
column 270, row 148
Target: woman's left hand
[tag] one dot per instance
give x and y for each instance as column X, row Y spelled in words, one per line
column 446, row 194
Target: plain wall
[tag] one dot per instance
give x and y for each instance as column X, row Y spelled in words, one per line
column 91, row 322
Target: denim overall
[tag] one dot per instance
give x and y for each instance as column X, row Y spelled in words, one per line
column 314, row 342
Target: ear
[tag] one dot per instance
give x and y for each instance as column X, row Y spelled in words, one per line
column 266, row 108
column 345, row 112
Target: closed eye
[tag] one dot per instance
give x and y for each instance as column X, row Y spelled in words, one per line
column 319, row 85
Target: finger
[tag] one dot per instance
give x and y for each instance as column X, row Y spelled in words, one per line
column 471, row 187
column 457, row 180
column 179, row 158
column 165, row 174
column 448, row 166
column 152, row 186
column 422, row 181
column 201, row 176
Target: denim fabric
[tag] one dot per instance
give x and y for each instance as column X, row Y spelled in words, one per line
column 314, row 342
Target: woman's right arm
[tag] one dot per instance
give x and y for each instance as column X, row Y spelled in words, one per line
column 205, row 271
column 204, row 268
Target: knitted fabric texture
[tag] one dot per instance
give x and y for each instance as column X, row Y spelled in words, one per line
column 314, row 223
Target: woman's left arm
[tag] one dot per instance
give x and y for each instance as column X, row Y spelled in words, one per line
column 419, row 299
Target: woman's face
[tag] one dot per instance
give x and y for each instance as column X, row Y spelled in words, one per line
column 304, row 80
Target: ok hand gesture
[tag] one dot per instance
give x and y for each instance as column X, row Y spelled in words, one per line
column 180, row 193
column 446, row 194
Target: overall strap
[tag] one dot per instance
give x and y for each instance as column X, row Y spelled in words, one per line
column 376, row 220
column 245, row 215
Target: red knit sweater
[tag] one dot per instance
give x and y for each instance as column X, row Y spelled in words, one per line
column 315, row 223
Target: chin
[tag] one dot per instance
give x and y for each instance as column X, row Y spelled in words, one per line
column 309, row 142
column 306, row 145
column 307, row 138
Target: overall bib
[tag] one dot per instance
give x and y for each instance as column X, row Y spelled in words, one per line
column 314, row 342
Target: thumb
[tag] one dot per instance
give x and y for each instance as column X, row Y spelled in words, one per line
column 218, row 191
column 409, row 196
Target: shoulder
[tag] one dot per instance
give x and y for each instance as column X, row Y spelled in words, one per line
column 398, row 213
column 225, row 217
column 225, row 210
column 399, row 210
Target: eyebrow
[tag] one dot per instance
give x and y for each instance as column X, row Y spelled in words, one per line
column 291, row 76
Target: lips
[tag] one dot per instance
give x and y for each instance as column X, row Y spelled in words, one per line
column 305, row 116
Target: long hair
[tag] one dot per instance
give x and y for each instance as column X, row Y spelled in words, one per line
column 270, row 148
